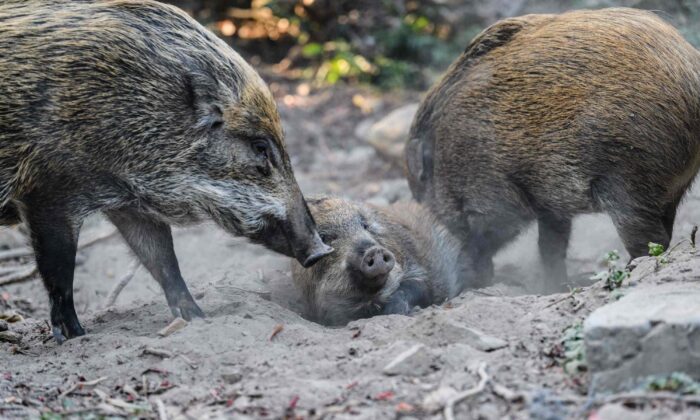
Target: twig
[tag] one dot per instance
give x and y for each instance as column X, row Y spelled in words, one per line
column 98, row 237
column 11, row 254
column 278, row 329
column 692, row 235
column 560, row 300
column 121, row 284
column 28, row 271
column 19, row 276
column 157, row 352
column 484, row 379
column 162, row 415
column 80, row 385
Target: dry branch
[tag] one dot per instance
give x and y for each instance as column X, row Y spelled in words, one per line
column 26, row 272
column 484, row 379
column 121, row 284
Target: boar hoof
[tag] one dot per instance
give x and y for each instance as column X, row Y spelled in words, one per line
column 187, row 309
column 67, row 331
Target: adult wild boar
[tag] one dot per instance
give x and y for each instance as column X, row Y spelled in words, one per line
column 544, row 117
column 130, row 107
column 388, row 260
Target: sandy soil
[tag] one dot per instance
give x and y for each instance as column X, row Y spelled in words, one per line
column 231, row 363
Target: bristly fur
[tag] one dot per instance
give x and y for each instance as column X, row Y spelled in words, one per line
column 120, row 92
column 132, row 108
column 425, row 253
column 544, row 117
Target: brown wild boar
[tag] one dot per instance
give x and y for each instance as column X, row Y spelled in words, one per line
column 132, row 108
column 544, row 117
column 387, row 260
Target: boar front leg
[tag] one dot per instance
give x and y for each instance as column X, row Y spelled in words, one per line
column 410, row 293
column 152, row 242
column 54, row 234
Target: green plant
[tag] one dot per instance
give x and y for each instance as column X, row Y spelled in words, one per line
column 615, row 274
column 675, row 382
column 655, row 249
column 574, row 354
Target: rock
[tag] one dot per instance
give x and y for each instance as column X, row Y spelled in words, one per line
column 177, row 324
column 388, row 135
column 457, row 332
column 437, row 399
column 654, row 330
column 10, row 337
column 415, row 361
column 231, row 377
column 3, row 325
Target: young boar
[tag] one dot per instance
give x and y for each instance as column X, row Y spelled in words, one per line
column 387, row 260
column 544, row 117
column 132, row 108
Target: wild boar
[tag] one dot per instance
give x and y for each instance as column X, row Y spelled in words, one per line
column 132, row 108
column 544, row 117
column 387, row 260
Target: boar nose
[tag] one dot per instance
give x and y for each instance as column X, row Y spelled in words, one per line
column 377, row 262
column 318, row 251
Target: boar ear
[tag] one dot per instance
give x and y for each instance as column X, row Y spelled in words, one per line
column 201, row 93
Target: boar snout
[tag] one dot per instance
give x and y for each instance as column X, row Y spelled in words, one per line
column 295, row 237
column 373, row 265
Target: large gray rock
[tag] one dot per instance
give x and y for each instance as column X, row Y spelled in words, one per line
column 388, row 135
column 654, row 330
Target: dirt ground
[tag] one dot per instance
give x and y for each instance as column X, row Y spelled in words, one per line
column 254, row 356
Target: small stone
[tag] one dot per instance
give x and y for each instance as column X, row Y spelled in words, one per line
column 475, row 338
column 437, row 399
column 10, row 337
column 3, row 325
column 415, row 361
column 231, row 377
column 177, row 324
column 388, row 136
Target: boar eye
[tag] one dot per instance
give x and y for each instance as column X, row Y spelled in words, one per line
column 262, row 149
column 328, row 237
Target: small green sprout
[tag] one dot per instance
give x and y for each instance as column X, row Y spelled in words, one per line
column 655, row 250
column 614, row 276
column 675, row 382
column 574, row 351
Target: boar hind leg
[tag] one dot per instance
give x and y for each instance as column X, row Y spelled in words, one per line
column 553, row 242
column 54, row 238
column 152, row 242
column 637, row 221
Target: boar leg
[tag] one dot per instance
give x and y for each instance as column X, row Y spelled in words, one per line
column 553, row 242
column 486, row 235
column 54, row 238
column 152, row 242
column 410, row 293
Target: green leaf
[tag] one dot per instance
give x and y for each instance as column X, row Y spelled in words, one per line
column 655, row 249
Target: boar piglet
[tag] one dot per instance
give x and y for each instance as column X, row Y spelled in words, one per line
column 387, row 260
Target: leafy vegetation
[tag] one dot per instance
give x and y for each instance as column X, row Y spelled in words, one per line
column 574, row 360
column 615, row 274
column 655, row 249
column 675, row 382
column 390, row 44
